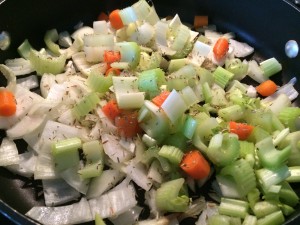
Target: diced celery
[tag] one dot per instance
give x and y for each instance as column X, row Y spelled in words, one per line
column 177, row 140
column 223, row 149
column 268, row 177
column 233, row 112
column 222, row 76
column 237, row 67
column 91, row 170
column 218, row 219
column 153, row 153
column 287, row 210
column 50, row 38
column 185, row 76
column 130, row 52
column 99, row 220
column 190, row 126
column 250, row 220
column 264, row 208
column 86, row 105
column 43, row 63
column 176, row 64
column 270, row 67
column 181, row 38
column 260, row 118
column 258, row 134
column 167, row 198
column 99, row 83
column 253, row 197
column 295, row 174
column 172, row 153
column 24, row 49
column 149, row 81
column 246, row 148
column 233, row 207
column 207, row 93
column 275, row 218
column 189, row 96
column 293, row 140
column 242, row 174
column 288, row 117
column 65, row 153
column 269, row 156
column 93, row 151
column 287, row 195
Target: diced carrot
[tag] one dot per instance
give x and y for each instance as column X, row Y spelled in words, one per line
column 111, row 110
column 159, row 99
column 266, row 88
column 200, row 21
column 243, row 130
column 195, row 165
column 127, row 124
column 112, row 71
column 115, row 19
column 221, row 48
column 102, row 16
column 8, row 105
column 111, row 57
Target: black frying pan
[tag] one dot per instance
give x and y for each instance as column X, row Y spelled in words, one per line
column 266, row 25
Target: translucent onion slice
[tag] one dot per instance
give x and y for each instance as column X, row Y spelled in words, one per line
column 8, row 153
column 19, row 66
column 10, row 77
column 71, row 214
column 25, row 166
column 29, row 82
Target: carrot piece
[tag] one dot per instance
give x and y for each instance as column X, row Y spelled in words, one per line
column 102, row 16
column 200, row 21
column 111, row 110
column 243, row 130
column 159, row 99
column 221, row 48
column 115, row 19
column 266, row 88
column 111, row 57
column 112, row 71
column 195, row 165
column 8, row 105
column 127, row 124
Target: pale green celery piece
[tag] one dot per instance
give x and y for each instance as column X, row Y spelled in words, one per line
column 231, row 113
column 189, row 96
column 91, row 170
column 86, row 105
column 172, row 153
column 222, row 76
column 149, row 81
column 277, row 124
column 130, row 52
column 223, row 149
column 185, row 76
column 50, row 38
column 181, row 38
column 149, row 141
column 293, row 140
column 205, row 76
column 24, row 49
column 99, row 82
column 242, row 174
column 217, row 219
column 207, row 92
column 268, row 177
column 264, row 208
column 151, row 153
column 190, row 126
column 93, row 151
column 168, row 199
column 99, row 220
column 275, row 218
column 250, row 220
column 270, row 67
column 246, row 148
column 157, row 124
column 287, row 195
column 218, row 97
column 269, row 156
column 176, row 64
column 295, row 174
column 253, row 197
column 178, row 125
column 233, row 207
column 65, row 153
column 204, row 132
column 261, row 118
column 236, row 85
column 288, row 117
column 43, row 63
column 258, row 134
column 229, row 188
column 235, row 220
column 237, row 67
column 176, row 139
column 286, row 209
column 187, row 48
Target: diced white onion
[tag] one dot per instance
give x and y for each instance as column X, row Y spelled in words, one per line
column 100, row 27
column 240, row 49
column 129, row 217
column 29, row 82
column 8, row 153
column 25, row 166
column 44, row 167
column 19, row 66
column 255, row 72
column 81, row 32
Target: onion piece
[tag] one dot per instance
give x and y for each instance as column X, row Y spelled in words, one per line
column 71, row 214
column 81, row 32
column 100, row 184
column 44, row 167
column 129, row 217
column 115, row 202
column 10, row 77
column 210, row 210
column 29, row 82
column 19, row 66
column 57, row 191
column 25, row 166
column 8, row 153
column 240, row 49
